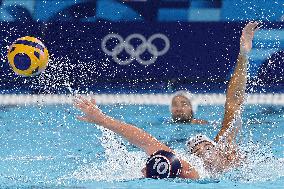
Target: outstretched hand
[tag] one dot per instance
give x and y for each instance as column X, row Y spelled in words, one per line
column 92, row 113
column 247, row 36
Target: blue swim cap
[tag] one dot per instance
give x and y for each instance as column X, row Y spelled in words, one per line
column 163, row 164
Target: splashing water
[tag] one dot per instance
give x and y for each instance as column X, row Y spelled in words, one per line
column 51, row 153
column 260, row 165
column 59, row 76
column 119, row 163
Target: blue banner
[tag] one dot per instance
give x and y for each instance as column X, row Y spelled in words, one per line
column 141, row 56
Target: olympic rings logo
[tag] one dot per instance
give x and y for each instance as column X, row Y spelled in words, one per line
column 135, row 53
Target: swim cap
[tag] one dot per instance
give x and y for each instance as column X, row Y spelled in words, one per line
column 193, row 141
column 163, row 164
column 189, row 97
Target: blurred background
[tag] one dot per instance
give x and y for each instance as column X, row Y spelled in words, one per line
column 169, row 45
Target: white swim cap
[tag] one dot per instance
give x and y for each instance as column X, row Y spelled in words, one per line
column 193, row 141
column 187, row 95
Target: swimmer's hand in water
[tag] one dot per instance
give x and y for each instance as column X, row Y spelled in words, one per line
column 92, row 113
column 247, row 36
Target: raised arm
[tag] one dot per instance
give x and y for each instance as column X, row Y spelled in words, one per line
column 235, row 96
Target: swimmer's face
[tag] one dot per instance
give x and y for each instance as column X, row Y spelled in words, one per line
column 181, row 109
column 211, row 156
column 203, row 149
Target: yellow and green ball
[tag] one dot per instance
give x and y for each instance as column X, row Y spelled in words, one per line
column 28, row 56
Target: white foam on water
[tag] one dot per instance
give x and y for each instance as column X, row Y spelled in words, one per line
column 55, row 76
column 119, row 164
column 260, row 165
column 27, row 158
column 59, row 75
column 196, row 162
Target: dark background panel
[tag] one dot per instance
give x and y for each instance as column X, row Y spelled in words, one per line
column 201, row 56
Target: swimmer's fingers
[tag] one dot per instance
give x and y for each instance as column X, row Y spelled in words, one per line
column 83, row 103
column 84, row 100
column 252, row 26
column 89, row 110
column 247, row 37
column 79, row 105
column 82, row 106
column 93, row 101
column 94, row 105
column 91, row 104
column 258, row 27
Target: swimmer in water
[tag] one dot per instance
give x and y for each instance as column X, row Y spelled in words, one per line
column 222, row 153
column 182, row 110
column 218, row 155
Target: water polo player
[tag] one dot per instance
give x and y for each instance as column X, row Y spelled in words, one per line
column 182, row 110
column 218, row 155
column 223, row 153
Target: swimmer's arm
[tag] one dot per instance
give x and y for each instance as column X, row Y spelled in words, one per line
column 148, row 143
column 235, row 96
column 134, row 135
column 234, row 99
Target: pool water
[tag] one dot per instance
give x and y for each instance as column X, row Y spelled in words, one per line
column 46, row 147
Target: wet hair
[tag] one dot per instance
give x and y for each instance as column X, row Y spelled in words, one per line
column 163, row 164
